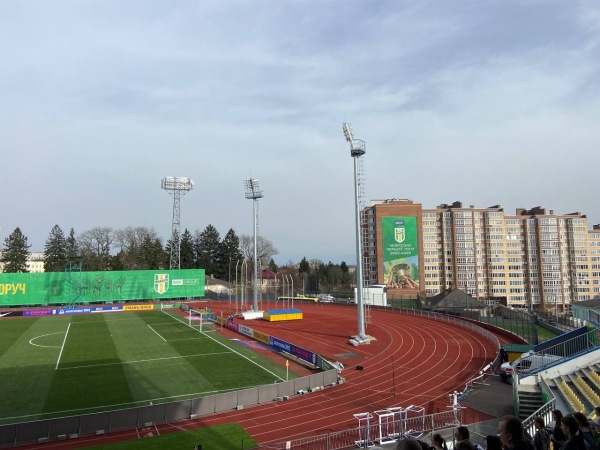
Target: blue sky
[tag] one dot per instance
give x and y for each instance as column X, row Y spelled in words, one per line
column 99, row 100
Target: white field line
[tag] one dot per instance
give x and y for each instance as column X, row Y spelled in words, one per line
column 62, row 347
column 229, row 348
column 143, row 360
column 42, row 335
column 157, row 333
column 144, row 402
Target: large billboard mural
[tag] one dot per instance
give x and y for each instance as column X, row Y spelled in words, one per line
column 22, row 289
column 400, row 252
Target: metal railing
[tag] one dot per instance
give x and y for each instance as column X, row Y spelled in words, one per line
column 375, row 433
column 545, row 411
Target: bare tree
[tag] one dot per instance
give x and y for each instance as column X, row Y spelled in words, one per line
column 265, row 250
column 95, row 248
column 130, row 241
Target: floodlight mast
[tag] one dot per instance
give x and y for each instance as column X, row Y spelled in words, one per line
column 357, row 150
column 253, row 192
column 177, row 187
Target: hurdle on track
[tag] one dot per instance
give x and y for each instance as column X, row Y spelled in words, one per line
column 398, row 421
column 415, row 421
column 364, row 430
column 385, row 426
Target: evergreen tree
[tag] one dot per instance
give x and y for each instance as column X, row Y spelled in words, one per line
column 304, row 267
column 228, row 255
column 206, row 249
column 272, row 266
column 186, row 251
column 72, row 245
column 152, row 255
column 55, row 251
column 15, row 252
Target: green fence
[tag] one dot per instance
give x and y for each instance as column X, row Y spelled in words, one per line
column 59, row 288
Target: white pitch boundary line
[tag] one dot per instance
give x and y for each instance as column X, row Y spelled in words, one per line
column 143, row 360
column 229, row 348
column 62, row 347
column 157, row 333
column 144, row 402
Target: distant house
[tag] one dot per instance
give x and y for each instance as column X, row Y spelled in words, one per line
column 216, row 286
column 267, row 278
column 457, row 302
column 35, row 262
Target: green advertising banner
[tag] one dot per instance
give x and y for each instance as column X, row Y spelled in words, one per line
column 57, row 288
column 400, row 252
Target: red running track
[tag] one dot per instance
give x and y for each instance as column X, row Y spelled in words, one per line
column 411, row 361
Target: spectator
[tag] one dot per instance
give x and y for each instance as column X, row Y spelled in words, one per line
column 541, row 438
column 575, row 440
column 512, row 434
column 424, row 445
column 595, row 423
column 558, row 437
column 463, row 439
column 493, row 442
column 408, row 443
column 584, row 427
column 503, row 355
column 438, row 442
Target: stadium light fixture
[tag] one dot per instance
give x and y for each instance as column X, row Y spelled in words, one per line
column 253, row 192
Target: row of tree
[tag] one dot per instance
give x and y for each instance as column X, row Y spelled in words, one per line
column 136, row 248
column 140, row 248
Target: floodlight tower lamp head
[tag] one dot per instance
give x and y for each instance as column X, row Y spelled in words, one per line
column 252, row 189
column 347, row 132
column 177, row 184
column 357, row 146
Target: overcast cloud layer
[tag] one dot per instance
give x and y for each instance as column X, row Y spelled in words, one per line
column 484, row 102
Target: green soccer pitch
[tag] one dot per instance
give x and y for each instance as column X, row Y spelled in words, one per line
column 71, row 365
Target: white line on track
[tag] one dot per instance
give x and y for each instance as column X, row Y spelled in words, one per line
column 62, row 347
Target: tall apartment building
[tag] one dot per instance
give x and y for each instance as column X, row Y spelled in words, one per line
column 532, row 259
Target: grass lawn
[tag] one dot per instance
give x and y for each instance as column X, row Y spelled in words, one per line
column 223, row 437
column 70, row 365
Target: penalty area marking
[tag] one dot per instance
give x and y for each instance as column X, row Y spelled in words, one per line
column 227, row 347
column 41, row 336
column 157, row 333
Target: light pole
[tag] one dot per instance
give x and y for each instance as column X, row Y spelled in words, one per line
column 253, row 192
column 177, row 187
column 357, row 150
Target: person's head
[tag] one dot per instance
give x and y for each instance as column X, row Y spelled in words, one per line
column 438, row 441
column 583, row 422
column 569, row 425
column 510, row 430
column 597, row 411
column 462, row 433
column 408, row 443
column 556, row 416
column 538, row 422
column 424, row 445
column 493, row 442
